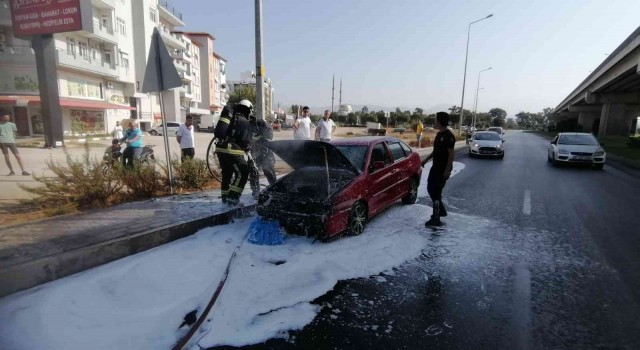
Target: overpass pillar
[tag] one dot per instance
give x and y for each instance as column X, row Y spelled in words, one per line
column 604, row 118
column 585, row 119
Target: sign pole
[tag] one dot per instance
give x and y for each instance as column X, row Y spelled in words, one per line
column 166, row 142
column 45, row 52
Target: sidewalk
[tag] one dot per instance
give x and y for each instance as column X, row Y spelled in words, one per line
column 53, row 248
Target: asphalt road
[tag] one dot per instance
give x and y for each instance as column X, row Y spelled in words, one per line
column 549, row 260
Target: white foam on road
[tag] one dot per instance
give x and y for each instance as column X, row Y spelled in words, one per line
column 422, row 190
column 526, row 205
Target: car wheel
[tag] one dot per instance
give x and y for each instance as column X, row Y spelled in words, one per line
column 598, row 166
column 554, row 161
column 357, row 219
column 548, row 158
column 412, row 196
column 153, row 132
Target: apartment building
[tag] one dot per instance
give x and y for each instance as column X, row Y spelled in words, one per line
column 96, row 79
column 249, row 79
column 220, row 94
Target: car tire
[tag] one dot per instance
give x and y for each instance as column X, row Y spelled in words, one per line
column 598, row 166
column 153, row 133
column 554, row 161
column 412, row 196
column 357, row 219
column 548, row 158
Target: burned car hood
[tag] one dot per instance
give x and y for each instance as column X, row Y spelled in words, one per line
column 302, row 153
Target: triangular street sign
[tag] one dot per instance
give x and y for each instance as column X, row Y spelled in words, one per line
column 161, row 74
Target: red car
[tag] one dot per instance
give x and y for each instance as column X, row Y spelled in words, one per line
column 337, row 187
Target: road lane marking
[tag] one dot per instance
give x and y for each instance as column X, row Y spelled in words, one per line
column 526, row 207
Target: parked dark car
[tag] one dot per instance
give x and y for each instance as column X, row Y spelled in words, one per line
column 337, row 187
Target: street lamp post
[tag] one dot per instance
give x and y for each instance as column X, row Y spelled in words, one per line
column 475, row 107
column 464, row 79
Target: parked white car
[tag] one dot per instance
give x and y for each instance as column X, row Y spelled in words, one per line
column 576, row 148
column 486, row 143
column 172, row 128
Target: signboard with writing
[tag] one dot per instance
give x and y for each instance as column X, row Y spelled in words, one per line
column 36, row 17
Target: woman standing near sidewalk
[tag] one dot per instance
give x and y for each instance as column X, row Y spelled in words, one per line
column 133, row 139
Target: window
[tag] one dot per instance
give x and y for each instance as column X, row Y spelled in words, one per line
column 396, row 150
column 379, row 154
column 355, row 154
column 153, row 16
column 121, row 26
column 407, row 149
column 83, row 49
column 71, row 46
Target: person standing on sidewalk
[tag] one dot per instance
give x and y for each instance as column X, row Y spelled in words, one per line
column 185, row 138
column 133, row 139
column 419, row 129
column 302, row 126
column 325, row 128
column 440, row 172
column 118, row 131
column 8, row 142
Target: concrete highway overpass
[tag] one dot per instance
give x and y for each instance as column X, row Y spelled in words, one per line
column 608, row 101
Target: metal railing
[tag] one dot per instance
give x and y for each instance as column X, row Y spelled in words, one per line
column 171, row 9
column 97, row 26
column 85, row 61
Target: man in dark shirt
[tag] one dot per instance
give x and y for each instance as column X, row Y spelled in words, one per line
column 442, row 156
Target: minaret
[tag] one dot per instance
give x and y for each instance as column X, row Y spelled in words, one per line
column 340, row 102
column 333, row 89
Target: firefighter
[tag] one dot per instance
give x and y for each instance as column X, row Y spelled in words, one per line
column 234, row 140
column 261, row 133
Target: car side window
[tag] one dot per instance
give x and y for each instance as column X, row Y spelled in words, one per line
column 407, row 149
column 173, row 125
column 379, row 154
column 396, row 150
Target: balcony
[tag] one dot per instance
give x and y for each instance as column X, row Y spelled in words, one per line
column 185, row 93
column 103, row 32
column 86, row 64
column 104, row 4
column 170, row 14
column 20, row 55
column 184, row 75
column 174, row 40
column 182, row 55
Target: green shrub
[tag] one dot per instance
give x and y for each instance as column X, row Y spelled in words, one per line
column 142, row 181
column 77, row 183
column 192, row 174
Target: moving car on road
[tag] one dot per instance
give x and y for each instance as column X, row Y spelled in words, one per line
column 172, row 127
column 486, row 143
column 337, row 187
column 576, row 148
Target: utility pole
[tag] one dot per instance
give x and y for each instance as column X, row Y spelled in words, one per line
column 260, row 70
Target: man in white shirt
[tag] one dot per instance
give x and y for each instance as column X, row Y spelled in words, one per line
column 302, row 126
column 325, row 128
column 185, row 138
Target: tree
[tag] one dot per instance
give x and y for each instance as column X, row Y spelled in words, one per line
column 418, row 114
column 454, row 109
column 498, row 113
column 243, row 92
column 511, row 124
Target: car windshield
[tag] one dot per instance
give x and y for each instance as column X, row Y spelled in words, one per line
column 581, row 140
column 487, row 136
column 355, row 153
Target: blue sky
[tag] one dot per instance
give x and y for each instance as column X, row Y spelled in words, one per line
column 411, row 52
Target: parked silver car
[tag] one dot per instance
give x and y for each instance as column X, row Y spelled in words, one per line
column 172, row 128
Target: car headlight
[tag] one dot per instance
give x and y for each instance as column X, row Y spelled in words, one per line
column 476, row 145
column 563, row 151
column 599, row 153
column 499, row 146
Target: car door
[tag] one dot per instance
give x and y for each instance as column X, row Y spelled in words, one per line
column 400, row 171
column 380, row 180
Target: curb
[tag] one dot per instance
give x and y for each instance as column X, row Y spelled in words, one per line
column 32, row 273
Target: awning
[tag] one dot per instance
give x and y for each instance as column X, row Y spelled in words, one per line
column 64, row 102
